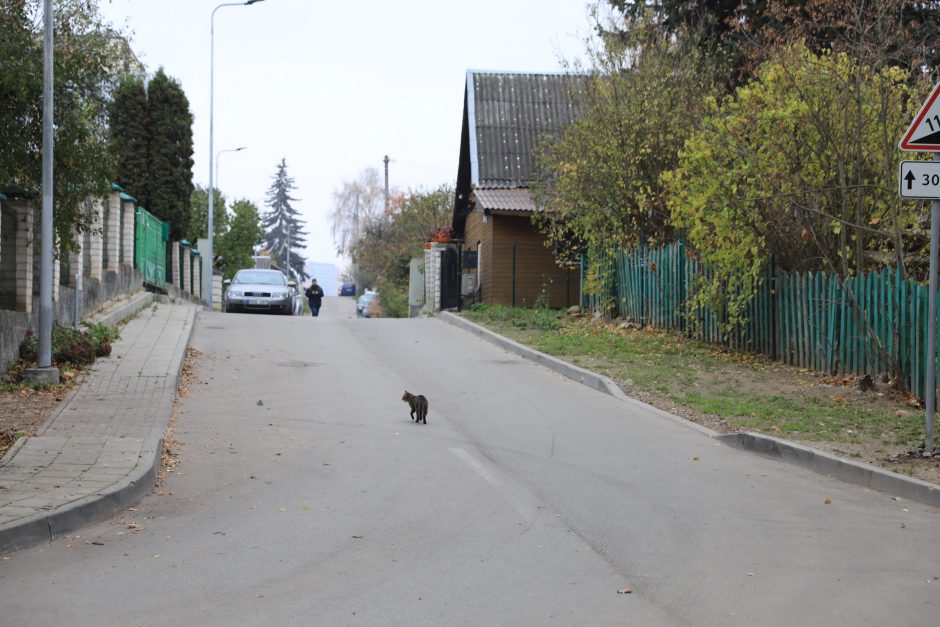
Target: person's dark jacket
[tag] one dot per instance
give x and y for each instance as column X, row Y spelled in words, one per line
column 314, row 293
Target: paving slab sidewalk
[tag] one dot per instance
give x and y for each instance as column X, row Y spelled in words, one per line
column 101, row 448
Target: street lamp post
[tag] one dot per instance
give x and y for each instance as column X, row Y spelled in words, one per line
column 45, row 372
column 209, row 254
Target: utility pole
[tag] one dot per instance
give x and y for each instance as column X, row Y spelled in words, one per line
column 45, row 372
column 355, row 237
column 386, row 182
column 288, row 250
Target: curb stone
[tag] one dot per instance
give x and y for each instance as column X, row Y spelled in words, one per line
column 817, row 461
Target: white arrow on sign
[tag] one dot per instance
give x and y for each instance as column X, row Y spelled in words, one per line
column 919, row 179
column 923, row 135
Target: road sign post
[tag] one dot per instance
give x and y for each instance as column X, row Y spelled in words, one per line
column 930, row 383
column 917, row 177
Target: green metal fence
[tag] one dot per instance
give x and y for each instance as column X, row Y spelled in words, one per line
column 150, row 237
column 867, row 324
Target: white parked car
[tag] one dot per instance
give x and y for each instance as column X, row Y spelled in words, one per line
column 266, row 291
column 365, row 303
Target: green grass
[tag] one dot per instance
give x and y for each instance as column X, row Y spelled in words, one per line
column 749, row 392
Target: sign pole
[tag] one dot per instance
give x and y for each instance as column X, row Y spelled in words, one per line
column 930, row 391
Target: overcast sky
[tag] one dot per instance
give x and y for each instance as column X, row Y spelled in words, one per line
column 334, row 86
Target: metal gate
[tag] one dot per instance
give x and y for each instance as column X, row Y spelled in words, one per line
column 450, row 278
column 150, row 235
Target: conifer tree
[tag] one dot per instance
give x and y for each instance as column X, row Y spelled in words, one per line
column 129, row 138
column 283, row 229
column 171, row 153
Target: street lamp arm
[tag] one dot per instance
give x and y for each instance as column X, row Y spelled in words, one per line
column 211, row 226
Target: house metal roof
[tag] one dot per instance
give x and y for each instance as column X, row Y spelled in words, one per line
column 508, row 114
column 518, row 199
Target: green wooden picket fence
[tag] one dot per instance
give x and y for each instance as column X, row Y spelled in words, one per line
column 804, row 319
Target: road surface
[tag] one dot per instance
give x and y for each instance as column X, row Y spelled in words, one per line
column 305, row 495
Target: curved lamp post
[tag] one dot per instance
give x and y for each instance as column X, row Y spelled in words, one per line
column 209, row 254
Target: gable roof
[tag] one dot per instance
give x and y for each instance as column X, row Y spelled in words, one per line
column 505, row 115
column 508, row 113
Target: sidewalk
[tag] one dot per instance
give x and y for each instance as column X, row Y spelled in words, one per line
column 101, row 448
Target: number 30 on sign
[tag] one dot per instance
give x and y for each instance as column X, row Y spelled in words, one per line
column 919, row 179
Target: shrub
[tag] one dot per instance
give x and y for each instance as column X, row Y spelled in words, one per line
column 394, row 302
column 71, row 346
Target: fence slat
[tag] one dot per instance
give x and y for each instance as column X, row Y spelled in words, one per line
column 869, row 323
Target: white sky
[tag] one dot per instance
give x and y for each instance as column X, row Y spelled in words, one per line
column 334, row 86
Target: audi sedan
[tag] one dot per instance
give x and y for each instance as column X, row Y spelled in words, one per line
column 266, row 291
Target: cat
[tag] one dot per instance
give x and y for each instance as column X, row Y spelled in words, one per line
column 418, row 404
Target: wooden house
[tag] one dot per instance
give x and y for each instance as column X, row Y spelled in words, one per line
column 506, row 260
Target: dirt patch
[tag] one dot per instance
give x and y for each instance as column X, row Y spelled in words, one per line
column 23, row 410
column 170, row 457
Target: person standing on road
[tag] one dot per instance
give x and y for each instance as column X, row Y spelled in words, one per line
column 314, row 294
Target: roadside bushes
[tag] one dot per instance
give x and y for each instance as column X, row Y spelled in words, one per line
column 394, row 301
column 70, row 347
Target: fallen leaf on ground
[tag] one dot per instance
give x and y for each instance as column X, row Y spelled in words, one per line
column 625, row 591
column 695, row 459
column 828, row 501
column 358, row 537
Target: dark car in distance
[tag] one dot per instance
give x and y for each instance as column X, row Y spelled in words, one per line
column 347, row 289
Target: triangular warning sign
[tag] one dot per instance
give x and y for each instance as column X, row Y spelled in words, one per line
column 923, row 135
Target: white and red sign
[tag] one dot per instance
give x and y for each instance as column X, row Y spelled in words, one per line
column 923, row 135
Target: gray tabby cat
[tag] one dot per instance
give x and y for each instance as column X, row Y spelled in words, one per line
column 418, row 404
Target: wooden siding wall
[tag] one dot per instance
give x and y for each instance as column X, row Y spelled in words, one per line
column 519, row 282
column 477, row 231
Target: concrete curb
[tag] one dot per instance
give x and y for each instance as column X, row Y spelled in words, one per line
column 842, row 469
column 124, row 492
column 818, row 461
column 91, row 509
column 117, row 313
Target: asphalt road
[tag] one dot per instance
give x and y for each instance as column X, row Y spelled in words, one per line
column 305, row 495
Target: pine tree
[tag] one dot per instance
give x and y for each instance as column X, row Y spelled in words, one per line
column 129, row 138
column 283, row 230
column 171, row 153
